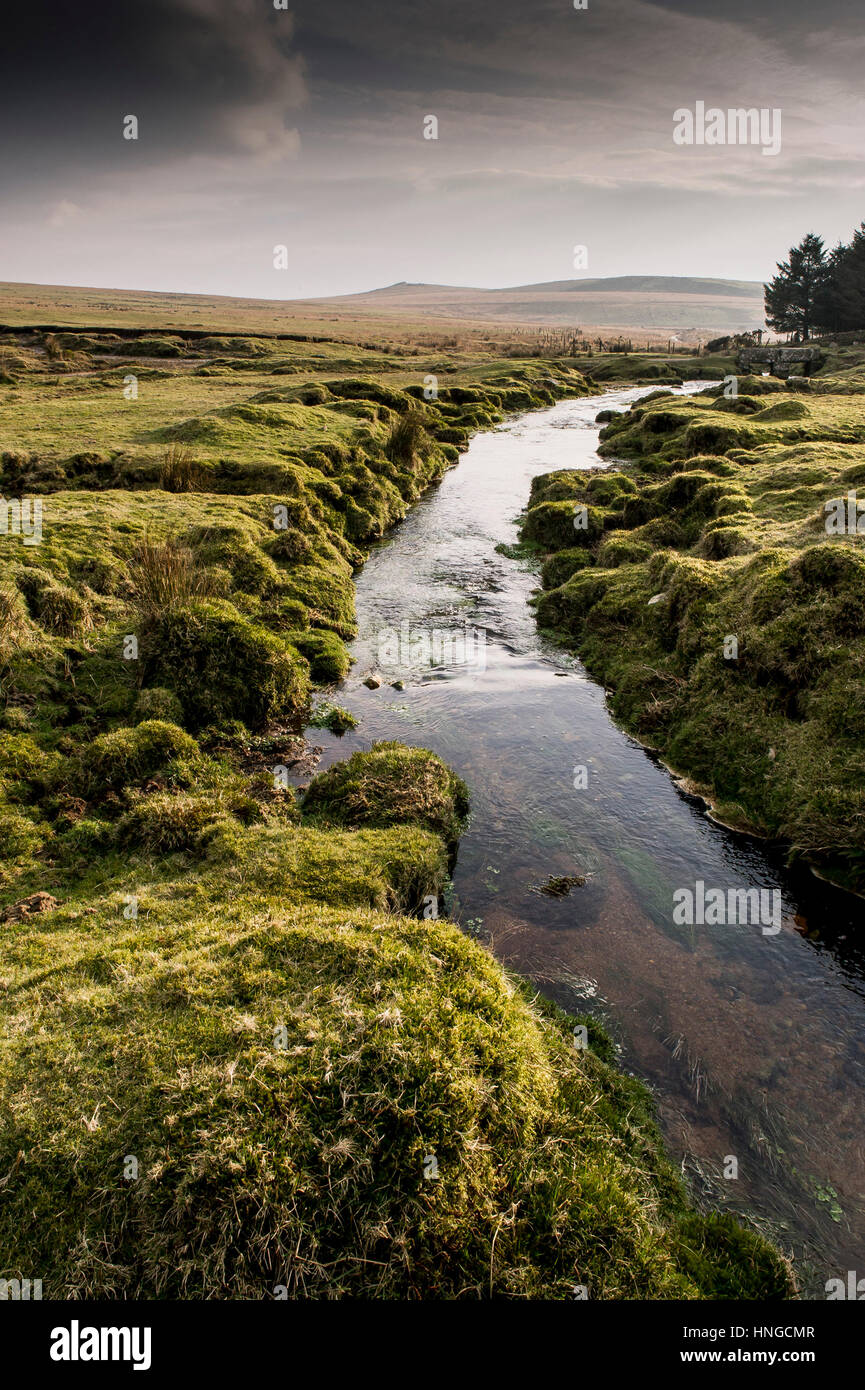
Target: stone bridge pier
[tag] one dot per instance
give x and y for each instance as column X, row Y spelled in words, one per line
column 780, row 360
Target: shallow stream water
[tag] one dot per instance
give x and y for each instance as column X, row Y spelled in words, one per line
column 753, row 1043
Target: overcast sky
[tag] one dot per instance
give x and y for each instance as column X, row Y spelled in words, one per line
column 305, row 127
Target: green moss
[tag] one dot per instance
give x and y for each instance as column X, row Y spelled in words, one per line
column 54, row 605
column 333, row 717
column 328, row 597
column 728, row 1261
column 684, row 565
column 15, row 718
column 159, row 346
column 391, row 784
column 720, row 540
column 233, row 548
column 553, row 525
column 286, row 615
column 274, row 1052
column 561, row 486
column 558, row 568
column 158, row 703
column 784, row 410
column 163, row 824
column 619, row 550
column 222, row 666
column 291, row 545
column 131, row 756
column 20, row 836
column 328, row 658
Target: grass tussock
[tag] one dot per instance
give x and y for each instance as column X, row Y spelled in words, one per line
column 389, row 785
column 167, row 574
column 407, row 438
column 14, row 625
column 179, row 471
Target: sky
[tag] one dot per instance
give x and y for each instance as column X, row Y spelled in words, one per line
column 304, row 127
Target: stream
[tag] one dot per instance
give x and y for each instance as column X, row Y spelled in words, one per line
column 752, row 1043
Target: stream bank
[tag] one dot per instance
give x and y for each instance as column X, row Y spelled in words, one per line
column 751, row 1043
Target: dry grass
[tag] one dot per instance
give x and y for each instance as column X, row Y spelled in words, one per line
column 179, row 472
column 14, row 625
column 165, row 574
column 407, row 438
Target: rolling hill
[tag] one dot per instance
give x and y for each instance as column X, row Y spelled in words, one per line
column 665, row 302
column 649, row 307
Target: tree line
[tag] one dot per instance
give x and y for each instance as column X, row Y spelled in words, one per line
column 818, row 291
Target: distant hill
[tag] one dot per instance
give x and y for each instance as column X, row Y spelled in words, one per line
column 627, row 284
column 651, row 307
column 657, row 284
column 669, row 302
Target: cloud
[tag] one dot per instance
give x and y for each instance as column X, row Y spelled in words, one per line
column 218, row 77
column 64, row 212
column 260, row 126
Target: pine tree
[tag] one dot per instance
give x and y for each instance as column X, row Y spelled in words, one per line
column 829, row 306
column 793, row 295
column 842, row 305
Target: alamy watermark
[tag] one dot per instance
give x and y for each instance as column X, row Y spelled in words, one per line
column 845, row 516
column 415, row 648
column 719, row 907
column 22, row 517
column 736, row 126
column 20, row 1290
column 77, row 1343
column 853, row 1288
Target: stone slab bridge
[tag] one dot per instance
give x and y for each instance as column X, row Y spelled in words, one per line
column 780, row 360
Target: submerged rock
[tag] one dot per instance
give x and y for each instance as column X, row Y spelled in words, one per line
column 560, row 887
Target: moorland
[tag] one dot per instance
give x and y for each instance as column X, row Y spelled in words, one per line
column 233, row 1041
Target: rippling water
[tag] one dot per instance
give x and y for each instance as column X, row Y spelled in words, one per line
column 752, row 1043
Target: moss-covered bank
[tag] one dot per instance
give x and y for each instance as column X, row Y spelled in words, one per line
column 700, row 584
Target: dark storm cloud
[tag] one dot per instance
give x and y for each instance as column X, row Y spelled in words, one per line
column 204, row 76
column 828, row 36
